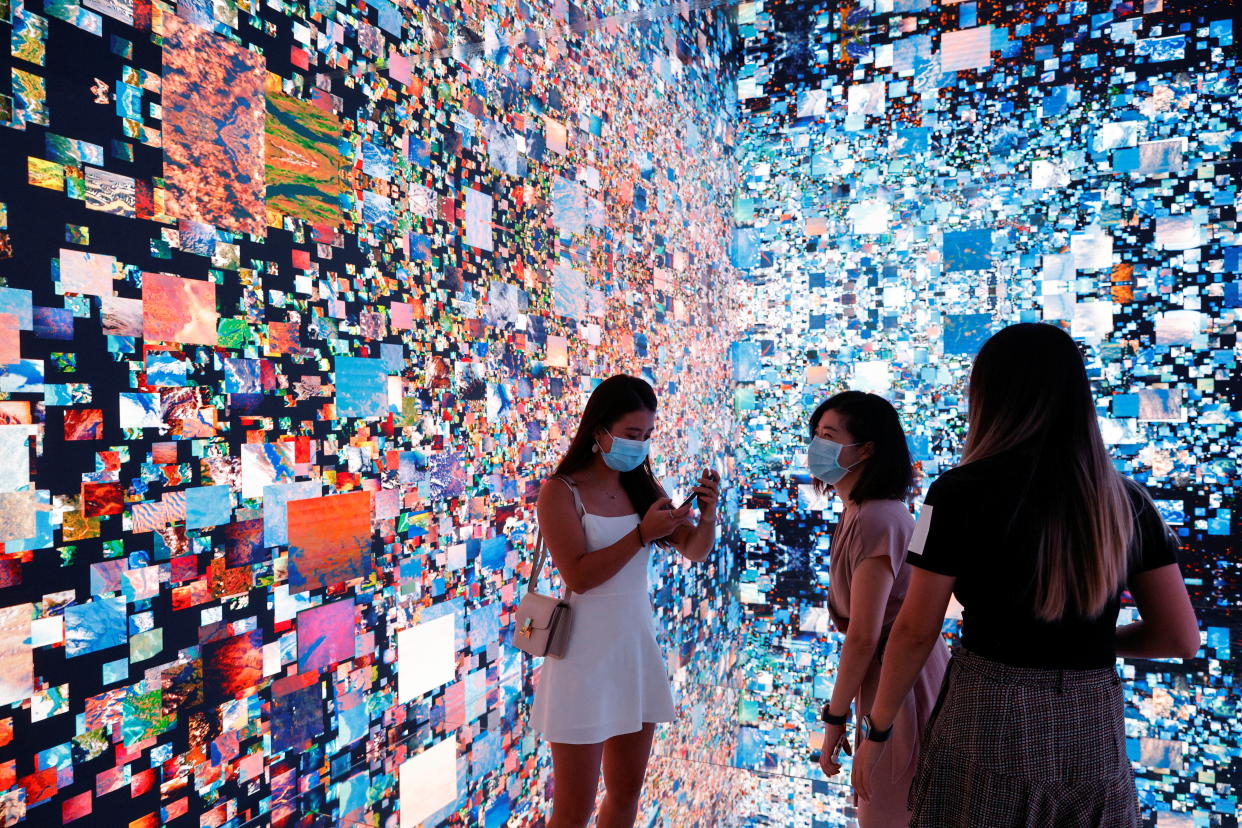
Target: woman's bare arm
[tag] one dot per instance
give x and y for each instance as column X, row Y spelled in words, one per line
column 869, row 589
column 695, row 542
column 911, row 639
column 1168, row 628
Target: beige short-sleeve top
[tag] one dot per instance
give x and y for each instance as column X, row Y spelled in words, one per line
column 877, row 528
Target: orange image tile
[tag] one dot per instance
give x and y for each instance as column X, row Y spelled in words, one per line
column 178, row 310
column 329, row 540
column 214, row 112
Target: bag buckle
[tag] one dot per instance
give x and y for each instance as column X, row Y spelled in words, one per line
column 528, row 629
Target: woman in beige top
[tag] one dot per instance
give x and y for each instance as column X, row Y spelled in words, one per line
column 858, row 449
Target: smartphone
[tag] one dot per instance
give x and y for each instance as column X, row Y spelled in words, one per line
column 694, row 495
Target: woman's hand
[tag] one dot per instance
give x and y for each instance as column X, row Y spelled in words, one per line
column 661, row 520
column 708, row 491
column 869, row 753
column 835, row 740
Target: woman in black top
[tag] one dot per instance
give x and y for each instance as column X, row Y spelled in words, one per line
column 1037, row 536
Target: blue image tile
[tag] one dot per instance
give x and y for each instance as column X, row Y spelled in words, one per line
column 361, row 387
column 208, row 506
column 95, row 625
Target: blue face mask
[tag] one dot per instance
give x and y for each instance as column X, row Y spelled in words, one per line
column 625, row 455
column 823, row 460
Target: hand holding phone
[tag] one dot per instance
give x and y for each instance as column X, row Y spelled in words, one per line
column 661, row 521
column 707, row 483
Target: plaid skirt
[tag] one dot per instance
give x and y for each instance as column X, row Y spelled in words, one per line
column 1016, row 746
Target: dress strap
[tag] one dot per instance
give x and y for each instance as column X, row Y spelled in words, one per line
column 573, row 489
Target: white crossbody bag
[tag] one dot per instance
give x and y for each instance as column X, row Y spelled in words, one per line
column 542, row 624
column 543, row 621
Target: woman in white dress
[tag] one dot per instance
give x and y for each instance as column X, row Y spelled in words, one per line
column 598, row 705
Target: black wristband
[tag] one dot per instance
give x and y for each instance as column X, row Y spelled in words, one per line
column 639, row 529
column 827, row 718
column 871, row 734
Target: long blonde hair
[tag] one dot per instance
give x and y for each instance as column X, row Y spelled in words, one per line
column 1029, row 391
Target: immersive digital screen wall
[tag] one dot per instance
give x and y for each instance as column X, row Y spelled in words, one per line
column 298, row 304
column 915, row 176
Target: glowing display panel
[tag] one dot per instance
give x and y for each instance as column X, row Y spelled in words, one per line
column 297, row 306
column 915, row 176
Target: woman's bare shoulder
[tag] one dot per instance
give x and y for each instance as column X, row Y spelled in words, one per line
column 556, row 486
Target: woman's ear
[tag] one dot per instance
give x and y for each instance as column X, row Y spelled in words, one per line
column 867, row 450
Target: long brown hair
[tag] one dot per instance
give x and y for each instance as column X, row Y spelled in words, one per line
column 611, row 400
column 1029, row 392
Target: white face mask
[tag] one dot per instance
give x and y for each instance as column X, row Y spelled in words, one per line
column 625, row 454
column 823, row 460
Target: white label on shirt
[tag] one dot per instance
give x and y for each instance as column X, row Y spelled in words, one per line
column 920, row 530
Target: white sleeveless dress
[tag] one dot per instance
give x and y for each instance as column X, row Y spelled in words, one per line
column 612, row 678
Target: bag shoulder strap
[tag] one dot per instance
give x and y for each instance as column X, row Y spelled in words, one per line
column 541, row 552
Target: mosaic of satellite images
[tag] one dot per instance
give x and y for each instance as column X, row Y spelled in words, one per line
column 298, row 304
column 914, row 176
column 300, row 301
